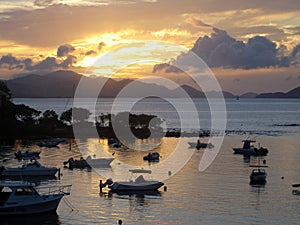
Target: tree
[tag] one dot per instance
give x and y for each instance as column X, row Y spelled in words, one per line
column 49, row 117
column 24, row 113
column 66, row 117
column 4, row 88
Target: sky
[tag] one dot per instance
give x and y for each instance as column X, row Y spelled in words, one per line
column 248, row 45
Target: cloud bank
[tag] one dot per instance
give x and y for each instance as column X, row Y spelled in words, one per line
column 222, row 50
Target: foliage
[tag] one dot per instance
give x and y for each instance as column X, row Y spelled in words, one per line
column 5, row 89
column 66, row 117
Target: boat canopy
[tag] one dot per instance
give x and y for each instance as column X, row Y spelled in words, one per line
column 16, row 184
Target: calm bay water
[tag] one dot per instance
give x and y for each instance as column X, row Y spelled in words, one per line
column 254, row 116
column 219, row 195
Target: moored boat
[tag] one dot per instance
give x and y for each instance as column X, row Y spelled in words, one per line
column 88, row 162
column 152, row 156
column 30, row 168
column 249, row 149
column 22, row 198
column 199, row 145
column 26, row 154
column 138, row 184
column 258, row 175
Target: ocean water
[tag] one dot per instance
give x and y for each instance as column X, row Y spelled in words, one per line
column 252, row 116
column 219, row 195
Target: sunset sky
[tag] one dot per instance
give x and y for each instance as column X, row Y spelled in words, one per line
column 250, row 45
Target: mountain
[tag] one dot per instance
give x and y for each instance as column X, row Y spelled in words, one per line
column 294, row 93
column 249, row 95
column 63, row 84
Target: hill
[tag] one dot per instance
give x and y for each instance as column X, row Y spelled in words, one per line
column 63, row 84
column 294, row 93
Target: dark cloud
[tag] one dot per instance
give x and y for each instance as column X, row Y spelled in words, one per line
column 101, row 45
column 221, row 50
column 48, row 64
column 64, row 50
column 68, row 62
column 197, row 22
column 91, row 52
column 10, row 62
column 294, row 57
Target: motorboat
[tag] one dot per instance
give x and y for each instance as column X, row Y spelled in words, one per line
column 138, row 184
column 200, row 144
column 51, row 143
column 249, row 149
column 258, row 175
column 296, row 191
column 26, row 154
column 30, row 168
column 23, row 198
column 99, row 162
column 152, row 156
column 88, row 162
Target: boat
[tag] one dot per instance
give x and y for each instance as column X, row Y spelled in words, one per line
column 199, row 145
column 22, row 198
column 26, row 154
column 249, row 149
column 258, row 175
column 138, row 184
column 295, row 191
column 30, row 168
column 152, row 156
column 51, row 143
column 88, row 162
column 99, row 162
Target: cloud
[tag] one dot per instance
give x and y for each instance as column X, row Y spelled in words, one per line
column 91, row 52
column 48, row 64
column 101, row 45
column 10, row 62
column 64, row 50
column 221, row 50
column 43, row 2
column 197, row 22
column 68, row 62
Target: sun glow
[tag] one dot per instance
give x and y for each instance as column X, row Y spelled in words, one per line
column 135, row 53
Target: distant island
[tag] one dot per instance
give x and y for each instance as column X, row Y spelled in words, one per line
column 63, row 83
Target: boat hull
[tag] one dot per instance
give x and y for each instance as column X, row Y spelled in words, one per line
column 100, row 163
column 258, row 178
column 19, row 172
column 132, row 186
column 46, row 205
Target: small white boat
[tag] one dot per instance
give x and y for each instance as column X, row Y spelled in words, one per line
column 99, row 162
column 249, row 149
column 138, row 184
column 22, row 198
column 26, row 154
column 30, row 168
